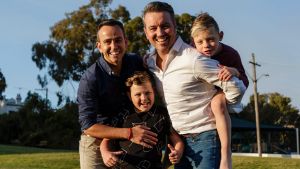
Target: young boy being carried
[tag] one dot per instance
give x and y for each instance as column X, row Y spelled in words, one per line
column 144, row 112
column 206, row 37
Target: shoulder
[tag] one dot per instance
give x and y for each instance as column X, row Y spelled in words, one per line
column 132, row 57
column 229, row 50
column 90, row 73
column 162, row 111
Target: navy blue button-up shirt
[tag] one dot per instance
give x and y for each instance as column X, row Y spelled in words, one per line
column 101, row 94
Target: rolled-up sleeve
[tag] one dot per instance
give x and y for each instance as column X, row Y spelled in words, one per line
column 207, row 69
column 86, row 98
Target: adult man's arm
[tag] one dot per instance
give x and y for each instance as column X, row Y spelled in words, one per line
column 207, row 69
column 87, row 101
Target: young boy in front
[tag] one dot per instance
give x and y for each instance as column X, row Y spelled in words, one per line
column 144, row 112
column 206, row 37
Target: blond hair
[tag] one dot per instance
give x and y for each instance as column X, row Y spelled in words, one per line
column 203, row 22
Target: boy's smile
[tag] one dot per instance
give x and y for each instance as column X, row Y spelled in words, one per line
column 142, row 96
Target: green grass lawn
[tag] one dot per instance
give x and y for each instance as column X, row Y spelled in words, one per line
column 15, row 157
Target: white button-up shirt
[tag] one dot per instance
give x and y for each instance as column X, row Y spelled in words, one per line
column 187, row 85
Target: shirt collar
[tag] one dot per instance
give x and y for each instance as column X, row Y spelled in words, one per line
column 177, row 45
column 102, row 62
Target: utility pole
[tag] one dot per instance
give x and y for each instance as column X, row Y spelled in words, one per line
column 254, row 64
column 46, row 90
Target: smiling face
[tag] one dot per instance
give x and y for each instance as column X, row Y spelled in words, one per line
column 160, row 30
column 207, row 41
column 142, row 96
column 112, row 44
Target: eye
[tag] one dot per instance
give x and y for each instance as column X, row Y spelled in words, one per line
column 200, row 42
column 166, row 26
column 118, row 40
column 152, row 29
column 107, row 42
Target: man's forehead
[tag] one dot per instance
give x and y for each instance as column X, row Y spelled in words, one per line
column 110, row 32
column 154, row 18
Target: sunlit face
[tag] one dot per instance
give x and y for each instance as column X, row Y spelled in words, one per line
column 142, row 96
column 207, row 41
column 160, row 30
column 112, row 44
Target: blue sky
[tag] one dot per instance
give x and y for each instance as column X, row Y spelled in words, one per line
column 268, row 28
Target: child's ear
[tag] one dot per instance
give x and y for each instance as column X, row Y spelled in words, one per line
column 221, row 34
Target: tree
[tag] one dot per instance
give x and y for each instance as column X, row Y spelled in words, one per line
column 184, row 25
column 274, row 108
column 71, row 47
column 2, row 84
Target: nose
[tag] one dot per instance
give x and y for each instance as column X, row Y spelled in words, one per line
column 160, row 31
column 113, row 44
column 143, row 97
column 206, row 44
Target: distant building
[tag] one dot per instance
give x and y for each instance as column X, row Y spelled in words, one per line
column 10, row 105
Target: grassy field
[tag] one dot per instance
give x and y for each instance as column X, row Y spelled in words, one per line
column 14, row 157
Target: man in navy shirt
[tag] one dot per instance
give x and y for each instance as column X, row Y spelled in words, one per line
column 101, row 96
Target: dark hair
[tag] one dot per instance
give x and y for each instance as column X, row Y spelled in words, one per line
column 139, row 78
column 110, row 22
column 157, row 6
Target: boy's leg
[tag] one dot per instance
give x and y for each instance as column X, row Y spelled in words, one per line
column 223, row 124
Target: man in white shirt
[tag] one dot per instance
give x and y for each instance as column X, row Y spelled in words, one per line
column 186, row 81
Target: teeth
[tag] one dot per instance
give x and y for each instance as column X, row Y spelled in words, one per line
column 114, row 53
column 161, row 39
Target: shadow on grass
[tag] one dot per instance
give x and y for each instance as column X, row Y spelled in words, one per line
column 10, row 149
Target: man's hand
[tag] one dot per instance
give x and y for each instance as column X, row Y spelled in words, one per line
column 143, row 136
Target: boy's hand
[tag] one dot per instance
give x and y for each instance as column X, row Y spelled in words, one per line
column 110, row 158
column 226, row 73
column 174, row 155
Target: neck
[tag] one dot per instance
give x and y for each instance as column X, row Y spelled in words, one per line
column 116, row 69
column 161, row 59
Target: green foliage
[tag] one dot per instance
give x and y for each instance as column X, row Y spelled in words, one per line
column 138, row 42
column 71, row 46
column 121, row 13
column 274, row 109
column 184, row 25
column 10, row 149
column 2, row 84
column 35, row 124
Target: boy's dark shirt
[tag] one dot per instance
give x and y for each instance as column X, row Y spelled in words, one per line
column 137, row 156
column 101, row 94
column 231, row 58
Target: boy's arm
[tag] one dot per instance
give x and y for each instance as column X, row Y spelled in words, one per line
column 208, row 69
column 177, row 147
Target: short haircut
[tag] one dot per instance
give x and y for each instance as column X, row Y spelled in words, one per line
column 139, row 78
column 203, row 22
column 110, row 22
column 157, row 6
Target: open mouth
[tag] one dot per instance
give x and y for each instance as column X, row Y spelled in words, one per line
column 162, row 40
